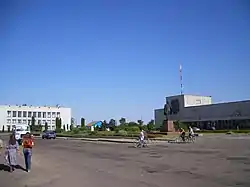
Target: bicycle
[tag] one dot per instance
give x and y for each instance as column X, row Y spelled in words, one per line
column 137, row 143
column 190, row 138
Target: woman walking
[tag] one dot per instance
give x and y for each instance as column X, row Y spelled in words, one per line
column 12, row 149
column 27, row 143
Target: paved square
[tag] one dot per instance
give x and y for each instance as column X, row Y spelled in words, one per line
column 216, row 161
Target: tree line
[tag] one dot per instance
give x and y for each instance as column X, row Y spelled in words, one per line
column 123, row 123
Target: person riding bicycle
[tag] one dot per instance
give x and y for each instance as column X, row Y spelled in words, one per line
column 182, row 134
column 191, row 132
column 142, row 138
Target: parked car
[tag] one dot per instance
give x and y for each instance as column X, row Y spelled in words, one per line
column 195, row 129
column 49, row 135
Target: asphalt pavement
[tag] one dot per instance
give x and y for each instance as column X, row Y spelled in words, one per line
column 218, row 162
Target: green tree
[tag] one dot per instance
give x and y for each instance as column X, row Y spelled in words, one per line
column 64, row 128
column 58, row 124
column 132, row 123
column 71, row 127
column 122, row 121
column 82, row 122
column 67, row 127
column 151, row 125
column 73, row 121
column 140, row 122
column 104, row 125
column 112, row 124
column 33, row 124
column 46, row 126
column 178, row 125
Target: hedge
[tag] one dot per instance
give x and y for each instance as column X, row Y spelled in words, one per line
column 224, row 131
column 105, row 136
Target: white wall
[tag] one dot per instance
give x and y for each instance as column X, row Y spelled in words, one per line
column 65, row 115
column 193, row 100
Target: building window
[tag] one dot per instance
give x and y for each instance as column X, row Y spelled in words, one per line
column 9, row 113
column 44, row 114
column 53, row 114
column 53, row 121
column 24, row 114
column 34, row 114
column 198, row 102
column 29, row 122
column 58, row 114
column 49, row 122
column 19, row 121
column 49, row 115
column 14, row 121
column 24, row 121
column 8, row 121
column 53, row 128
column 19, row 113
column 39, row 122
column 44, row 121
column 39, row 114
column 29, row 114
column 14, row 114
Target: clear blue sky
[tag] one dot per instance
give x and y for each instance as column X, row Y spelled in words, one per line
column 120, row 58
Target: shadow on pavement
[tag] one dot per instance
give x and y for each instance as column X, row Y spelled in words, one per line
column 20, row 167
column 4, row 167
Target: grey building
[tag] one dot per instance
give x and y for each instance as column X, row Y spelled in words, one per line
column 201, row 112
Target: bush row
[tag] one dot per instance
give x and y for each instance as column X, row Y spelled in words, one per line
column 224, row 131
column 105, row 135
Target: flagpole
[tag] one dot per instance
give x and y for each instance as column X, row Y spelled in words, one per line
column 181, row 85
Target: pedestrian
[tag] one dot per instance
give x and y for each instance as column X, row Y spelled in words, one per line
column 12, row 149
column 1, row 145
column 27, row 144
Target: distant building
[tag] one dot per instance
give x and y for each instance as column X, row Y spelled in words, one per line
column 199, row 111
column 11, row 115
column 94, row 124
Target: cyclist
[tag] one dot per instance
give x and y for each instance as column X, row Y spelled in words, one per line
column 141, row 138
column 182, row 134
column 191, row 132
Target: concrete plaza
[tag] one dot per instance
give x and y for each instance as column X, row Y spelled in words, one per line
column 216, row 161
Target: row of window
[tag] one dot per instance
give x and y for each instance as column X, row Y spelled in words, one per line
column 33, row 114
column 24, row 121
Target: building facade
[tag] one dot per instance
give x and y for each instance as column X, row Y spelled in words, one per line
column 199, row 111
column 21, row 114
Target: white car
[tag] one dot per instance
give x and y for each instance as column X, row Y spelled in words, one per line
column 20, row 131
column 195, row 129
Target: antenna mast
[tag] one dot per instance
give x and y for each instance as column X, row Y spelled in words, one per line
column 181, row 85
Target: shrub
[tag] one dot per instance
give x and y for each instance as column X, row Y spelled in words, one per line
column 122, row 133
column 133, row 129
column 224, row 131
column 75, row 130
column 93, row 133
column 154, row 135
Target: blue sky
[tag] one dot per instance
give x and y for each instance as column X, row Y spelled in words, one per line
column 111, row 59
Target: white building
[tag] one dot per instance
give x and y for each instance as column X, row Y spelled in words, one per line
column 201, row 112
column 21, row 114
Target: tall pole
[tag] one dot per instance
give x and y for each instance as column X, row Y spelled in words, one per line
column 180, row 71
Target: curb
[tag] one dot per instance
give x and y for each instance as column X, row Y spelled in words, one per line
column 110, row 140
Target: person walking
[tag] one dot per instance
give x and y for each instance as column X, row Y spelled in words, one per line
column 27, row 144
column 12, row 149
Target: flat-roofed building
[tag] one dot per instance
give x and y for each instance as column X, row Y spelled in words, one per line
column 201, row 112
column 11, row 115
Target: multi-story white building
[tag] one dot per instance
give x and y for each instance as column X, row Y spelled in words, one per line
column 21, row 114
